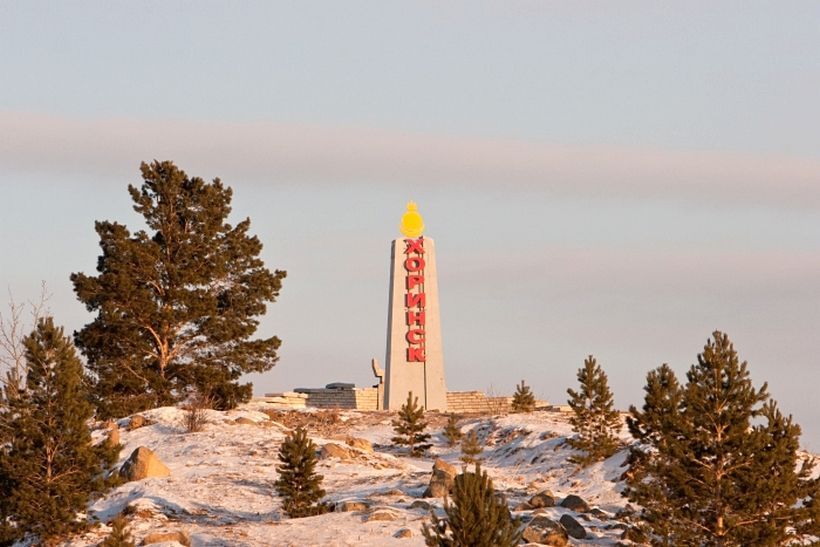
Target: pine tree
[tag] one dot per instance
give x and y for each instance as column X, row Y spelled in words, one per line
column 177, row 305
column 470, row 446
column 409, row 427
column 298, row 483
column 594, row 419
column 119, row 536
column 477, row 517
column 48, row 466
column 452, row 432
column 717, row 462
column 523, row 399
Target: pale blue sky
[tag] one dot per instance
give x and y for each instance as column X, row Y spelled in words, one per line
column 609, row 178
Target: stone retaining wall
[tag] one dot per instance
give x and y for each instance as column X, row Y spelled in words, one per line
column 366, row 398
column 359, row 398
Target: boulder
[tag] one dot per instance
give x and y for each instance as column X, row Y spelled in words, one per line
column 546, row 531
column 333, row 450
column 402, row 533
column 137, row 421
column 380, row 514
column 362, row 444
column 573, row 527
column 420, row 504
column 442, row 480
column 575, row 503
column 143, row 464
column 542, row 499
column 348, row 506
column 167, row 537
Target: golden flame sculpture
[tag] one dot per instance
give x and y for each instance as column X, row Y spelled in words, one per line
column 412, row 225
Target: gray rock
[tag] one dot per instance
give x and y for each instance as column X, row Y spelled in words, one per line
column 340, row 385
column 333, row 450
column 420, row 504
column 573, row 527
column 575, row 503
column 167, row 537
column 348, row 506
column 546, row 531
column 442, row 480
column 402, row 533
column 381, row 514
column 542, row 499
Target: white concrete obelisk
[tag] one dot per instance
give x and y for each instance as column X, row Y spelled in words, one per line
column 415, row 361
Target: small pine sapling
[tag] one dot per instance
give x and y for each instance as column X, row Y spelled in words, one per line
column 476, row 517
column 409, row 427
column 452, row 432
column 523, row 399
column 298, row 483
column 119, row 536
column 471, row 447
column 594, row 420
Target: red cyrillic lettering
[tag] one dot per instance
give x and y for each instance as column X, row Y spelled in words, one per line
column 414, row 246
column 415, row 318
column 415, row 336
column 414, row 280
column 414, row 263
column 417, row 300
column 415, row 355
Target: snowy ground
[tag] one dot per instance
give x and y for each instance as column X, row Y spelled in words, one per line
column 221, row 486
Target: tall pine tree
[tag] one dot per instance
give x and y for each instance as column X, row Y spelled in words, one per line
column 410, row 425
column 594, row 420
column 298, row 483
column 717, row 462
column 477, row 517
column 48, row 466
column 176, row 305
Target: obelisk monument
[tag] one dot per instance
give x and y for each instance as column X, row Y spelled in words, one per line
column 415, row 361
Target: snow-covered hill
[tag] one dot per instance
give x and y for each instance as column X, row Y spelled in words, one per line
column 220, row 491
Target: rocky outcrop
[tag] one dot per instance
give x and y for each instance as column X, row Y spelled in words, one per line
column 143, row 464
column 442, row 480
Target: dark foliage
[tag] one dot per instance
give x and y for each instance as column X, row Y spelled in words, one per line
column 176, row 306
column 523, row 399
column 298, row 483
column 452, row 432
column 716, row 462
column 48, row 466
column 477, row 516
column 409, row 427
column 119, row 536
column 594, row 420
column 471, row 446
